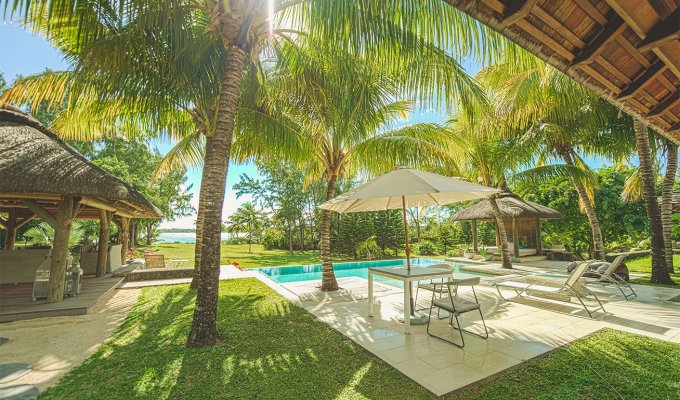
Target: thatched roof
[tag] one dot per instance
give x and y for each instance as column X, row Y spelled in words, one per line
column 628, row 52
column 511, row 206
column 37, row 165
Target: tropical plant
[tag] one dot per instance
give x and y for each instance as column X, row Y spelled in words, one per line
column 564, row 121
column 42, row 234
column 247, row 219
column 425, row 248
column 369, row 249
column 345, row 126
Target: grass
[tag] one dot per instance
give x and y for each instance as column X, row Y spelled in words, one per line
column 239, row 253
column 275, row 350
column 271, row 350
column 608, row 364
column 644, row 265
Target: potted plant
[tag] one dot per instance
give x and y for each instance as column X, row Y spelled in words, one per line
column 469, row 253
column 484, row 252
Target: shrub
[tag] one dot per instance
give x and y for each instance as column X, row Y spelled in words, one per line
column 274, row 239
column 425, row 248
column 369, row 249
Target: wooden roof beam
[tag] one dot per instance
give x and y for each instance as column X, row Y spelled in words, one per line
column 596, row 46
column 518, row 10
column 41, row 212
column 675, row 128
column 670, row 102
column 648, row 76
column 663, row 32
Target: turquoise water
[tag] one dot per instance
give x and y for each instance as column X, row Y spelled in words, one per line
column 298, row 273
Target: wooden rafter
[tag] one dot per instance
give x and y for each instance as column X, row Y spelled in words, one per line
column 558, row 27
column 666, row 104
column 675, row 128
column 41, row 212
column 664, row 31
column 518, row 10
column 639, row 83
column 591, row 11
column 596, row 46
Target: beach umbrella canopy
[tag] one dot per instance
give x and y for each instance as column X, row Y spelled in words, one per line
column 406, row 187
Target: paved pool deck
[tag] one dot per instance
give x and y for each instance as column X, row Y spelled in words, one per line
column 517, row 331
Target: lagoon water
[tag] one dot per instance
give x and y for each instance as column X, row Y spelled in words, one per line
column 182, row 237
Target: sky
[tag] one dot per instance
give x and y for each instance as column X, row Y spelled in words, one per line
column 32, row 54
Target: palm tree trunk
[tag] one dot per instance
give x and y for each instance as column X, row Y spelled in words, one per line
column 198, row 246
column 328, row 281
column 648, row 178
column 667, row 202
column 250, row 241
column 505, row 250
column 598, row 242
column 58, row 262
column 211, row 199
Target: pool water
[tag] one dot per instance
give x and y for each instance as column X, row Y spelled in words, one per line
column 298, row 273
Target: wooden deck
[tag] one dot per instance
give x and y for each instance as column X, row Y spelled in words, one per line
column 16, row 303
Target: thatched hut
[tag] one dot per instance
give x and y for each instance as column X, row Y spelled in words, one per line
column 628, row 52
column 523, row 216
column 41, row 176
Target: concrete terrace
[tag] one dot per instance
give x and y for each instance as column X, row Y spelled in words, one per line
column 517, row 331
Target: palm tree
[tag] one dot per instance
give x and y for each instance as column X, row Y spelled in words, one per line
column 123, row 61
column 633, row 190
column 344, row 126
column 660, row 273
column 566, row 120
column 667, row 201
column 249, row 219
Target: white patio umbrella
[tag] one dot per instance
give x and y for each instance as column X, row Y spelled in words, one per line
column 406, row 187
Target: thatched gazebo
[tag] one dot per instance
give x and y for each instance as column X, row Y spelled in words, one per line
column 626, row 51
column 522, row 215
column 41, row 176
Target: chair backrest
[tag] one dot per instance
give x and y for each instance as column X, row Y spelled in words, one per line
column 577, row 273
column 613, row 266
column 154, row 261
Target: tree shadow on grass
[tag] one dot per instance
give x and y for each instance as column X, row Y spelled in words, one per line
column 271, row 349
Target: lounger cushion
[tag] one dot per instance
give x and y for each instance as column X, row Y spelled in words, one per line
column 533, row 287
column 461, row 305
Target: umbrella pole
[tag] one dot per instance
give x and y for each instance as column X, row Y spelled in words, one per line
column 408, row 253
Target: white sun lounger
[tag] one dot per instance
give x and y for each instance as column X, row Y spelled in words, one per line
column 569, row 285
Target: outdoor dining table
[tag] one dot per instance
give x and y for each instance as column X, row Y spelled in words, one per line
column 406, row 276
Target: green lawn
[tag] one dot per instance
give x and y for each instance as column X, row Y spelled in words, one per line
column 239, row 253
column 271, row 350
column 644, row 265
column 275, row 350
column 608, row 364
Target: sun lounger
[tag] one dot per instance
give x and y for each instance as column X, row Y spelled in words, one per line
column 569, row 286
column 610, row 277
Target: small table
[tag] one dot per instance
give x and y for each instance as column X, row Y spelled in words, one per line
column 406, row 276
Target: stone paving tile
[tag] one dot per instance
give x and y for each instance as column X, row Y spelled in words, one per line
column 517, row 331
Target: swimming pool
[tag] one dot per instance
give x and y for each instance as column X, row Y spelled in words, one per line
column 298, row 273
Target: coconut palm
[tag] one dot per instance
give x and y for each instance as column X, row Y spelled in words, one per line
column 633, row 189
column 567, row 121
column 134, row 58
column 247, row 219
column 648, row 185
column 344, row 127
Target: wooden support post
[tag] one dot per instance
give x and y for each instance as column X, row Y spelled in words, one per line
column 515, row 242
column 102, row 254
column 11, row 229
column 62, row 229
column 474, row 235
column 124, row 238
column 539, row 242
